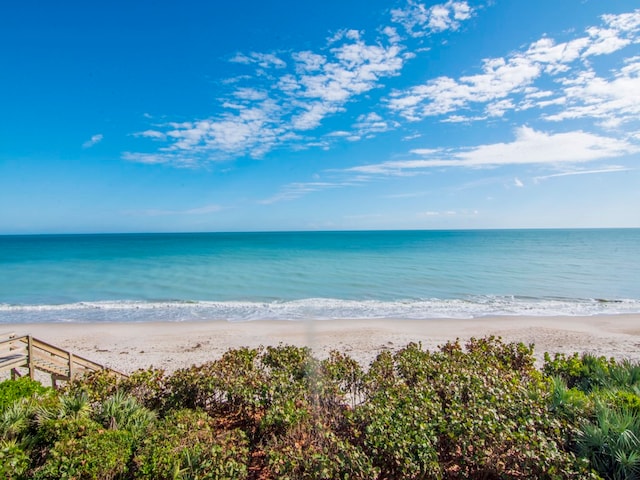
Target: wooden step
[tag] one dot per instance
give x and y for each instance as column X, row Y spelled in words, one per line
column 51, row 367
column 29, row 352
column 7, row 362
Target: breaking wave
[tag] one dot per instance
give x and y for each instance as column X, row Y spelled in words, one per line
column 315, row 309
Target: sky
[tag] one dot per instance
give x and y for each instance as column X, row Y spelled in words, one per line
column 164, row 116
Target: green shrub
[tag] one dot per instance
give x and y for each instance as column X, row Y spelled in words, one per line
column 314, row 452
column 586, row 372
column 148, row 387
column 59, row 408
column 474, row 411
column 99, row 455
column 398, row 429
column 570, row 404
column 14, row 461
column 76, row 439
column 95, row 386
column 15, row 420
column 624, row 400
column 343, row 377
column 24, row 387
column 611, row 442
column 186, row 444
column 477, row 412
column 231, row 387
column 123, row 412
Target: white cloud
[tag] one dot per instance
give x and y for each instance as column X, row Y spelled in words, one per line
column 207, row 209
column 95, row 139
column 611, row 169
column 339, row 133
column 257, row 119
column 246, row 93
column 151, row 134
column 412, row 136
column 313, row 115
column 518, row 183
column 291, row 95
column 308, row 61
column 533, row 146
column 300, row 189
column 443, row 95
column 448, row 213
column 369, row 124
column 406, row 195
column 355, row 68
column 264, row 60
column 506, row 84
column 392, row 33
column 419, row 20
column 529, row 147
column 158, row 159
column 612, row 101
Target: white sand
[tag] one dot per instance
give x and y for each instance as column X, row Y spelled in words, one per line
column 127, row 347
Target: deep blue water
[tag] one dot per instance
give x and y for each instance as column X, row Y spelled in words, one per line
column 382, row 274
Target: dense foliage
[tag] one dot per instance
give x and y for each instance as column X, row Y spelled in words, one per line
column 478, row 411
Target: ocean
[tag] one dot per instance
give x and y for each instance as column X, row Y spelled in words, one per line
column 318, row 275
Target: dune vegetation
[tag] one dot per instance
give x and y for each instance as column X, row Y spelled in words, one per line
column 479, row 411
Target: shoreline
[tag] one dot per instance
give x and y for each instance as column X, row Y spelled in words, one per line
column 173, row 345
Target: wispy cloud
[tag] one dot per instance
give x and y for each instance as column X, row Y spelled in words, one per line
column 95, row 139
column 529, row 147
column 419, row 20
column 286, row 96
column 264, row 60
column 205, row 210
column 406, row 195
column 611, row 101
column 611, row 169
column 448, row 213
column 254, row 121
column 292, row 93
column 300, row 189
column 370, row 124
column 508, row 83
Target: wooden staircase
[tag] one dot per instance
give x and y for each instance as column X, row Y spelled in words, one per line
column 26, row 352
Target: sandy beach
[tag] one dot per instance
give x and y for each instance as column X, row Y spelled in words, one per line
column 172, row 345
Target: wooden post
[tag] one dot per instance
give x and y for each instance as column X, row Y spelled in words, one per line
column 70, row 366
column 30, row 360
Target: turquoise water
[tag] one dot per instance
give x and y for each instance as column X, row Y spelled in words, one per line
column 247, row 276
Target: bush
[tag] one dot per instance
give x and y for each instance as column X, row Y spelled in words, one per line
column 586, row 372
column 569, row 404
column 231, row 387
column 624, row 400
column 186, row 444
column 148, row 387
column 474, row 411
column 314, row 452
column 24, row 387
column 611, row 442
column 99, row 454
column 123, row 412
column 478, row 412
column 14, row 461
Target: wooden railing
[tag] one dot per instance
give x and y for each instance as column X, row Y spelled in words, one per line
column 33, row 354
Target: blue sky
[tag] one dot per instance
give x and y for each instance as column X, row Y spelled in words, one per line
column 285, row 115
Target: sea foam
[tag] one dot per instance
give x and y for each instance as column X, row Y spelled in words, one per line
column 314, row 309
